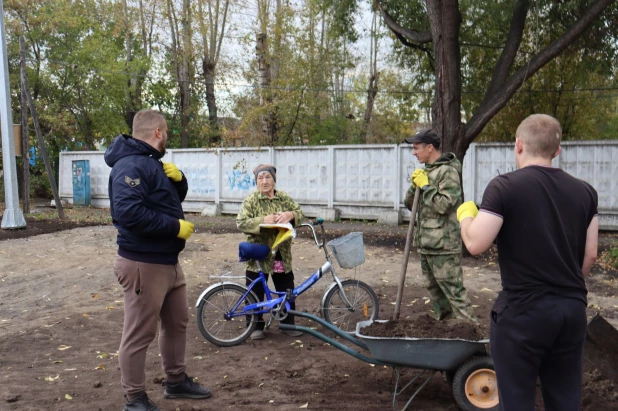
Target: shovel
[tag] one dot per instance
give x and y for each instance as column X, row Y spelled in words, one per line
column 406, row 254
column 601, row 347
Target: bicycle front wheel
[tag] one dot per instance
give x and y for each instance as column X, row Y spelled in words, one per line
column 364, row 305
column 215, row 305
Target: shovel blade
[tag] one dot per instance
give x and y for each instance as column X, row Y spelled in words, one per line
column 601, row 348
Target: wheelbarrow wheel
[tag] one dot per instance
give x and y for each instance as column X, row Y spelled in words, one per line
column 215, row 305
column 475, row 386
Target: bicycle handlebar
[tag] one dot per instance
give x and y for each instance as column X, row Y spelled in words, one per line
column 318, row 221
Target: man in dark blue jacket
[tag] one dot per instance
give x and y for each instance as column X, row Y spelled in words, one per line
column 145, row 200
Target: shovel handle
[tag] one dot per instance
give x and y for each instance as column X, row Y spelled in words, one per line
column 406, row 253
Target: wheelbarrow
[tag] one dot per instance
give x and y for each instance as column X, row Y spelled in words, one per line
column 467, row 364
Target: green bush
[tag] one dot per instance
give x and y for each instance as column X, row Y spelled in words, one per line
column 40, row 187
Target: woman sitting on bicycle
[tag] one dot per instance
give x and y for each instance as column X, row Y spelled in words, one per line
column 269, row 206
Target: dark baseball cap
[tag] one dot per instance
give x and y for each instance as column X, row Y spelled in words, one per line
column 427, row 136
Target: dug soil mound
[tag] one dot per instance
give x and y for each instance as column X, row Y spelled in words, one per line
column 424, row 326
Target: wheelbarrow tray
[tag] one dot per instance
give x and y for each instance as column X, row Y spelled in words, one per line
column 441, row 354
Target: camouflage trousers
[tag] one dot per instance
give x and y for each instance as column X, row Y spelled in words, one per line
column 444, row 281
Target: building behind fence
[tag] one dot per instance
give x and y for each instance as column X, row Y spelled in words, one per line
column 348, row 181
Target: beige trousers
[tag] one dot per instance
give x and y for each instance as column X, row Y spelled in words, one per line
column 155, row 296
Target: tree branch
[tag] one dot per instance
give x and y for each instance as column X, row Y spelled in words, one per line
column 402, row 32
column 511, row 46
column 495, row 103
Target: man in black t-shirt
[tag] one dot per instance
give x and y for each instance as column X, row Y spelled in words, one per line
column 545, row 225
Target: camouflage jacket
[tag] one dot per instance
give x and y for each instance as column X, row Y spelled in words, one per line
column 437, row 229
column 251, row 215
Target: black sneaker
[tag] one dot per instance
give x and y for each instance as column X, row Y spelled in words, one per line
column 186, row 389
column 141, row 403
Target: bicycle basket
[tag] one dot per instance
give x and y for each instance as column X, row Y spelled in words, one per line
column 348, row 250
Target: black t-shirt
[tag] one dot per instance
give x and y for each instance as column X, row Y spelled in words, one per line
column 542, row 240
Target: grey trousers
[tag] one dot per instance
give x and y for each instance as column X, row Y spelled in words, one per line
column 155, row 296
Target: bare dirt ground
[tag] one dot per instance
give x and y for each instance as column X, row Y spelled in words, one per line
column 61, row 322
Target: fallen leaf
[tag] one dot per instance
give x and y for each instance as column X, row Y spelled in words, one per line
column 260, row 384
column 57, row 362
column 486, row 290
column 224, row 377
column 85, row 315
column 305, row 405
column 52, row 378
column 100, row 367
column 266, row 358
column 272, row 401
column 68, row 397
column 64, row 347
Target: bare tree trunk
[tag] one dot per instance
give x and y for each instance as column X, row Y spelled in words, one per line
column 268, row 123
column 212, row 38
column 181, row 64
column 42, row 147
column 133, row 92
column 209, row 77
column 445, row 21
column 24, row 131
column 185, row 95
column 374, row 75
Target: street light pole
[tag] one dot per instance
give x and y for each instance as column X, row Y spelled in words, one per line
column 13, row 216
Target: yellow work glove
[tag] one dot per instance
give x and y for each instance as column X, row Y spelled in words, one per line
column 419, row 178
column 186, row 229
column 467, row 209
column 172, row 172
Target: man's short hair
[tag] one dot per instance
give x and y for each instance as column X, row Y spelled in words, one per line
column 145, row 122
column 541, row 135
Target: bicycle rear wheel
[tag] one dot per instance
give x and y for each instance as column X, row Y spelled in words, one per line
column 364, row 306
column 211, row 315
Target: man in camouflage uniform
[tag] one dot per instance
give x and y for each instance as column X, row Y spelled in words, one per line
column 437, row 232
column 269, row 206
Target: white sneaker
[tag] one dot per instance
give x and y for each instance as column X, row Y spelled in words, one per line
column 257, row 335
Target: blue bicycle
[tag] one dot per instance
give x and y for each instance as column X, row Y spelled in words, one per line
column 227, row 312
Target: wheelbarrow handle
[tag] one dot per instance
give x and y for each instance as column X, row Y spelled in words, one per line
column 326, row 324
column 336, row 344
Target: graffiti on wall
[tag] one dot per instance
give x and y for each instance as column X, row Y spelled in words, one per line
column 200, row 180
column 239, row 180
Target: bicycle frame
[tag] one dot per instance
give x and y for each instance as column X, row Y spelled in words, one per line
column 269, row 302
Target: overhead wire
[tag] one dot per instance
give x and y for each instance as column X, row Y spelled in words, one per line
column 198, row 80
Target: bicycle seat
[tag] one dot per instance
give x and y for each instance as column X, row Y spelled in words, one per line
column 249, row 251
